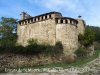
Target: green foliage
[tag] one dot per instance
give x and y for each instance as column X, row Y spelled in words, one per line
column 8, row 31
column 96, row 30
column 81, row 52
column 33, row 48
column 32, row 41
column 87, row 39
column 80, row 37
column 59, row 45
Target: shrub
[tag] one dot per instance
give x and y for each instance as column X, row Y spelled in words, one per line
column 32, row 41
column 81, row 52
column 59, row 45
column 2, row 49
column 80, row 37
column 33, row 48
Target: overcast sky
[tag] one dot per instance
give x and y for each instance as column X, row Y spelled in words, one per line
column 88, row 9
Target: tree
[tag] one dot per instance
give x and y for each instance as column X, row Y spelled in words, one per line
column 8, row 31
column 88, row 38
column 96, row 30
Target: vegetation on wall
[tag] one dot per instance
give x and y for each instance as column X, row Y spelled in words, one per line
column 34, row 48
column 85, row 40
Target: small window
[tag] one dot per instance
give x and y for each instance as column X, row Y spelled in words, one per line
column 61, row 21
column 46, row 17
column 66, row 21
column 42, row 17
column 71, row 21
column 38, row 18
column 35, row 19
column 19, row 23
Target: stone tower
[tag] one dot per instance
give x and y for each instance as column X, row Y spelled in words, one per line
column 81, row 25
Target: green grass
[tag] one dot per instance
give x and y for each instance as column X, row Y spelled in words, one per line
column 85, row 60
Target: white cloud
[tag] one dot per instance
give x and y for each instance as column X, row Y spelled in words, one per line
column 89, row 9
column 59, row 4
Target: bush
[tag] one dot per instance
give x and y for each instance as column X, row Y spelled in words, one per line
column 81, row 52
column 33, row 48
column 2, row 49
column 80, row 37
column 32, row 41
column 59, row 45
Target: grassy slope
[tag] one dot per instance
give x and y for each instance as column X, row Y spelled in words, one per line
column 73, row 64
column 78, row 63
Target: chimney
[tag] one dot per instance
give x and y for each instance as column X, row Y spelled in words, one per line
column 23, row 15
column 79, row 17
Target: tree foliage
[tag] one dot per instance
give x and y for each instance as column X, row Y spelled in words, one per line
column 96, row 30
column 88, row 38
column 8, row 31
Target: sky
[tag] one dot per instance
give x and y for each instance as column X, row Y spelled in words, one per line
column 88, row 9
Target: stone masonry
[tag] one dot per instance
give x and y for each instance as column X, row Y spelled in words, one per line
column 50, row 28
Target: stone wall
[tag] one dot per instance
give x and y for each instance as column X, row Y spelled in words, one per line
column 81, row 26
column 17, row 60
column 67, row 34
column 48, row 31
column 44, row 31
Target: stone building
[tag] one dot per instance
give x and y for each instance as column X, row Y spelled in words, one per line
column 50, row 28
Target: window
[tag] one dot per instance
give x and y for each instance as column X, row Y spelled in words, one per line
column 35, row 20
column 46, row 17
column 70, row 21
column 61, row 21
column 42, row 17
column 66, row 21
column 38, row 18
